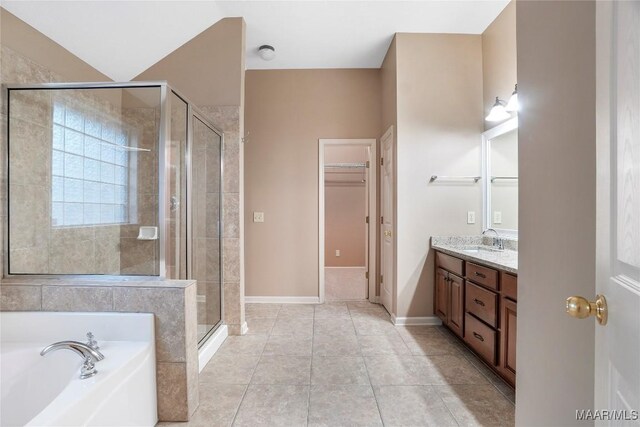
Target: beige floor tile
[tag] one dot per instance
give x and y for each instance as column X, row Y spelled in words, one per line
column 261, row 310
column 293, row 326
column 419, row 329
column 373, row 326
column 274, row 405
column 331, row 310
column 246, row 344
column 288, row 345
column 297, row 310
column 372, row 345
column 229, row 369
column 260, row 325
column 477, row 405
column 338, row 370
column 336, row 326
column 331, row 345
column 455, row 369
column 290, row 370
column 412, row 406
column 430, row 344
column 402, row 370
column 218, row 405
column 343, row 405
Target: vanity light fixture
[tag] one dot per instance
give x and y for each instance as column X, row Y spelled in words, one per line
column 512, row 105
column 267, row 52
column 498, row 112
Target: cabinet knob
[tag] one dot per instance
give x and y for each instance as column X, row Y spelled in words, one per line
column 581, row 308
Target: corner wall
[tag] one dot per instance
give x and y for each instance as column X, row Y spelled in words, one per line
column 440, row 122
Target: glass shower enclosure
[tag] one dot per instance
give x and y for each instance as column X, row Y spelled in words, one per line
column 119, row 179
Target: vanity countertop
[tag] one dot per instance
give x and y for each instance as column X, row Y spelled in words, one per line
column 478, row 249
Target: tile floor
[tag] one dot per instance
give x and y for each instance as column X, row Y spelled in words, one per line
column 345, row 364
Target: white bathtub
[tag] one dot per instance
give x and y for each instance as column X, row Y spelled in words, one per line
column 47, row 391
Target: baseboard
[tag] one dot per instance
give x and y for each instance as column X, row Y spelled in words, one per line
column 213, row 343
column 282, row 300
column 416, row 321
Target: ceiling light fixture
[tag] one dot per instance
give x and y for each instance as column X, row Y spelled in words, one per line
column 512, row 105
column 267, row 52
column 498, row 112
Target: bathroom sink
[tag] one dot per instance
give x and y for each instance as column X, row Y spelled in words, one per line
column 478, row 249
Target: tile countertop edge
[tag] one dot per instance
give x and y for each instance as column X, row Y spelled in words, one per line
column 105, row 282
column 470, row 257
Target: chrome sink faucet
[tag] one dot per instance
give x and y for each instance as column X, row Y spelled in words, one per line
column 88, row 354
column 498, row 242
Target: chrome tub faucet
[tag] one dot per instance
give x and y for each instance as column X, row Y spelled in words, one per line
column 90, row 355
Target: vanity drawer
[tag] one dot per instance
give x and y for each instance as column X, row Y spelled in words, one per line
column 482, row 275
column 449, row 263
column 481, row 338
column 509, row 286
column 482, row 303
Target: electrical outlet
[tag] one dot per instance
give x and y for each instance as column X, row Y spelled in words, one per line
column 258, row 216
column 497, row 217
column 337, row 252
column 471, row 217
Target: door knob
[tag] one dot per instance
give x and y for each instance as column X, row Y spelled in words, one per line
column 582, row 308
column 387, row 233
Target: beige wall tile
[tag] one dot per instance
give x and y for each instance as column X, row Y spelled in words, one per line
column 71, row 298
column 231, row 215
column 20, row 298
column 172, row 392
column 169, row 307
column 231, row 260
column 191, row 343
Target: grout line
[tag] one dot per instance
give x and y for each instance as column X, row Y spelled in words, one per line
column 435, row 389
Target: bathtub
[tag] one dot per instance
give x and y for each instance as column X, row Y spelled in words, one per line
column 47, row 391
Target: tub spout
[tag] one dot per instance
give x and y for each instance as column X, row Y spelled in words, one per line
column 88, row 354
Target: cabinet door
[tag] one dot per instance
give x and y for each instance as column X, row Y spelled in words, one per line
column 442, row 295
column 456, row 307
column 508, row 321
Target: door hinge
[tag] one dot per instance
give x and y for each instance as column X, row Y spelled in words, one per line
column 381, row 220
column 381, row 278
column 367, row 164
column 366, row 219
column 381, row 161
column 366, row 274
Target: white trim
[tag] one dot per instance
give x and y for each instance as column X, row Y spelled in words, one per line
column 211, row 346
column 281, row 300
column 348, row 266
column 244, row 329
column 429, row 320
column 487, row 136
column 372, row 143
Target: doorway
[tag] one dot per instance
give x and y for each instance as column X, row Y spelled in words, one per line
column 347, row 209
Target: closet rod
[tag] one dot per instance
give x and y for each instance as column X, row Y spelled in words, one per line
column 345, row 165
column 454, row 178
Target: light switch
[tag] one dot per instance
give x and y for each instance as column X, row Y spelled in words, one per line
column 337, row 252
column 497, row 217
column 471, row 217
column 258, row 216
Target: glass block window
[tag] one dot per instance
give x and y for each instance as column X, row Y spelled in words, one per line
column 89, row 168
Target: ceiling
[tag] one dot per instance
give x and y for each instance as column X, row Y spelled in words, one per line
column 123, row 38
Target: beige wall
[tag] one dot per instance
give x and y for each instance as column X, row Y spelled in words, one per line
column 499, row 68
column 439, row 113
column 557, row 156
column 209, row 68
column 286, row 112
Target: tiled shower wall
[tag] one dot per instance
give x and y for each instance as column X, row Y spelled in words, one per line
column 228, row 119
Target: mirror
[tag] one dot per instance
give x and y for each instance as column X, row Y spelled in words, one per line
column 500, row 177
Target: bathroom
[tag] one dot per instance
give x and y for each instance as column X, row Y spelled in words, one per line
column 182, row 203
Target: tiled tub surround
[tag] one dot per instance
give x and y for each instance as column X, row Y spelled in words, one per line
column 173, row 303
column 506, row 260
column 345, row 363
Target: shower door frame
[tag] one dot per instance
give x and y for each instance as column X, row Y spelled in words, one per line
column 164, row 133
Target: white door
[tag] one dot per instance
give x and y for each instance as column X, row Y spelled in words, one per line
column 617, row 371
column 386, row 227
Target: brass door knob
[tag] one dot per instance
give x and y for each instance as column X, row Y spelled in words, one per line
column 387, row 233
column 582, row 308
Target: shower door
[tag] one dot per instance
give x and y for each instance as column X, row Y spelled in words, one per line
column 205, row 230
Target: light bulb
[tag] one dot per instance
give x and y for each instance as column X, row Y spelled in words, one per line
column 512, row 105
column 267, row 52
column 498, row 112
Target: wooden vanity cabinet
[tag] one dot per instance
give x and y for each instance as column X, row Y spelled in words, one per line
column 478, row 303
column 449, row 295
